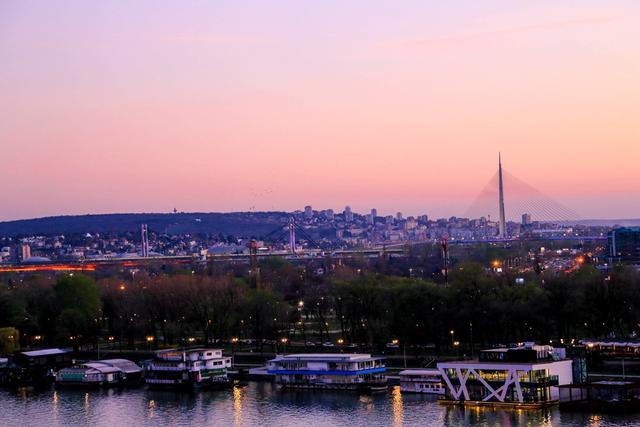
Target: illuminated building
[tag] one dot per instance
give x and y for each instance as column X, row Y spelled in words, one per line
column 520, row 377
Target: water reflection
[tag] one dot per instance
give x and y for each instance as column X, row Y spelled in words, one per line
column 396, row 406
column 85, row 405
column 152, row 408
column 264, row 404
column 54, row 407
column 237, row 406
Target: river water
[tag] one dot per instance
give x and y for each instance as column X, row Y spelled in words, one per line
column 262, row 404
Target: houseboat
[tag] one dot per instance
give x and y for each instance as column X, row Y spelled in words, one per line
column 107, row 372
column 421, row 381
column 522, row 377
column 188, row 368
column 357, row 372
column 34, row 367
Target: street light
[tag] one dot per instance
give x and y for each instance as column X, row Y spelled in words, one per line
column 234, row 341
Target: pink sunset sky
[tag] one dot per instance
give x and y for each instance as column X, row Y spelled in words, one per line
column 141, row 106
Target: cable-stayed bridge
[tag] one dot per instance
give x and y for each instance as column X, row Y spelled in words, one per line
column 519, row 198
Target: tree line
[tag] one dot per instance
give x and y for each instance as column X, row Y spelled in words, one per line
column 348, row 304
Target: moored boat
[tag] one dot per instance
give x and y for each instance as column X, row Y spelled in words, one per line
column 349, row 372
column 107, row 372
column 195, row 368
column 427, row 381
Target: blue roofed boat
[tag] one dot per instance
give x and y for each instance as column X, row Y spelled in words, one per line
column 353, row 372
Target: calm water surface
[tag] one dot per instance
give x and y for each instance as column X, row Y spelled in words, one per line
column 262, row 404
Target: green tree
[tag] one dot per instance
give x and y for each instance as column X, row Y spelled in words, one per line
column 12, row 307
column 78, row 303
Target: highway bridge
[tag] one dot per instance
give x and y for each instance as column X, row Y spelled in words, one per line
column 388, row 248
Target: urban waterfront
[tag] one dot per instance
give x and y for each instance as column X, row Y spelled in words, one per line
column 264, row 405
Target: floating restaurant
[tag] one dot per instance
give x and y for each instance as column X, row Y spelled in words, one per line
column 357, row 372
column 522, row 377
column 188, row 368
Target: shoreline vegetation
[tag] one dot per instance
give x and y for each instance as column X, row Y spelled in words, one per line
column 354, row 305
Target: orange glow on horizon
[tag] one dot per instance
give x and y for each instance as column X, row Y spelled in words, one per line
column 56, row 267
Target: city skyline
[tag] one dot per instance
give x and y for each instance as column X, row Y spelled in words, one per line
column 149, row 106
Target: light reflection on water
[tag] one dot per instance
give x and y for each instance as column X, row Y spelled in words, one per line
column 263, row 404
column 396, row 406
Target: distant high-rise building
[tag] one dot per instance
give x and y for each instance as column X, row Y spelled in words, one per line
column 624, row 245
column 388, row 220
column 399, row 216
column 423, row 219
column 374, row 213
column 308, row 212
column 26, row 252
column 328, row 214
column 410, row 223
column 369, row 218
column 526, row 219
column 348, row 215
